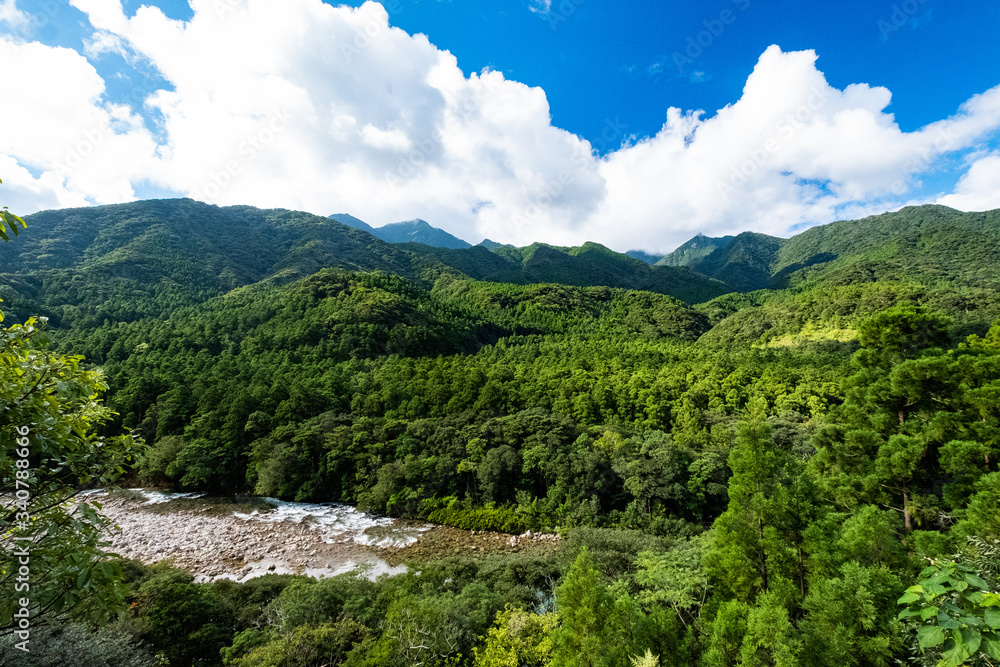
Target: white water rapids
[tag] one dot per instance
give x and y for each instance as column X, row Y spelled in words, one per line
column 316, row 539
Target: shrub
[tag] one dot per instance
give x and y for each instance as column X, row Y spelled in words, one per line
column 500, row 519
column 326, row 644
column 153, row 467
column 75, row 646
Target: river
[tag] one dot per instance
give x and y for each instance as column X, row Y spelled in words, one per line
column 241, row 538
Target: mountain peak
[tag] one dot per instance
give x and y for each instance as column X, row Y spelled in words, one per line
column 418, row 223
column 490, row 244
column 694, row 249
column 407, row 231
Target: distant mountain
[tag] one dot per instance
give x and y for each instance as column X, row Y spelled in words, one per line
column 476, row 262
column 643, row 256
column 588, row 265
column 409, row 231
column 419, row 231
column 826, row 278
column 490, row 245
column 124, row 261
column 915, row 244
column 351, row 221
column 698, row 247
column 743, row 263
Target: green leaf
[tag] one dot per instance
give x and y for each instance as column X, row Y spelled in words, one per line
column 954, row 654
column 991, row 645
column 973, row 596
column 936, row 589
column 947, row 622
column 992, row 618
column 970, row 639
column 908, row 598
column 976, row 581
column 929, row 635
column 928, row 612
column 961, row 646
column 954, row 609
column 938, row 579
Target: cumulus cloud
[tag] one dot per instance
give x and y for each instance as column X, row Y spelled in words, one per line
column 304, row 105
column 792, row 150
column 979, row 188
column 11, row 15
column 81, row 148
column 324, row 108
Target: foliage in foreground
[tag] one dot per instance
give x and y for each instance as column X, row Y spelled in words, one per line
column 763, row 492
column 52, row 557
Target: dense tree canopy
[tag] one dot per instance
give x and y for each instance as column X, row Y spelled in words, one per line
column 750, row 478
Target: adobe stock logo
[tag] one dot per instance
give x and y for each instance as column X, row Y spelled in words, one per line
column 89, row 142
column 756, row 158
column 551, row 190
column 248, row 150
column 560, row 12
column 714, row 28
column 902, row 14
column 363, row 37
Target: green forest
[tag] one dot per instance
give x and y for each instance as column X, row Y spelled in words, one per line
column 763, row 452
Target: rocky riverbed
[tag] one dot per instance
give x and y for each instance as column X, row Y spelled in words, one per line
column 237, row 539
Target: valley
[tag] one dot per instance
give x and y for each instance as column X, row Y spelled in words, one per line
column 749, row 442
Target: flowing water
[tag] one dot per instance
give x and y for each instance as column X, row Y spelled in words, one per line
column 217, row 538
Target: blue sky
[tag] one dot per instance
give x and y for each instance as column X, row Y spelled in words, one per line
column 599, row 60
column 897, row 101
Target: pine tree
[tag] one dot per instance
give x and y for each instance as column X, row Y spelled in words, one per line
column 584, row 606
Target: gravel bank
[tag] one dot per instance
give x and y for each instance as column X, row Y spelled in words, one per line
column 225, row 538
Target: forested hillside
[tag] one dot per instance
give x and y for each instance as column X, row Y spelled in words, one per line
column 408, row 231
column 80, row 267
column 753, row 458
column 693, row 250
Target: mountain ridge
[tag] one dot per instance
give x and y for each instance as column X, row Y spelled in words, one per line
column 407, row 231
column 120, row 258
column 694, row 249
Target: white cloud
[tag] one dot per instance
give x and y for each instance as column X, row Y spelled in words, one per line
column 11, row 15
column 304, row 105
column 103, row 42
column 792, row 150
column 24, row 193
column 82, row 147
column 540, row 6
column 979, row 188
column 392, row 139
column 380, row 123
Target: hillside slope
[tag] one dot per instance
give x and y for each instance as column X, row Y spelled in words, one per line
column 408, row 231
column 693, row 250
column 591, row 264
column 128, row 260
column 744, row 263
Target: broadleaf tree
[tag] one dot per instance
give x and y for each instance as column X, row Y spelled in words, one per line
column 54, row 538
